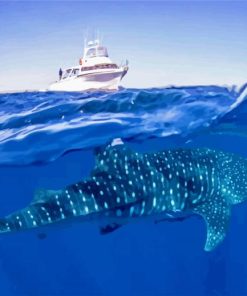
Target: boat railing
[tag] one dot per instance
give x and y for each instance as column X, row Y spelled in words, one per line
column 124, row 64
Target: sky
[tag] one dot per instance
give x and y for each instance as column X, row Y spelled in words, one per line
column 166, row 42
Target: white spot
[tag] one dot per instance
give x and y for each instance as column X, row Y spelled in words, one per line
column 143, row 208
column 118, row 212
column 131, row 210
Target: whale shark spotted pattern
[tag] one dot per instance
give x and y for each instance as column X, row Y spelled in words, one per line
column 125, row 185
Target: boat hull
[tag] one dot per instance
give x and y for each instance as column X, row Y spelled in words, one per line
column 90, row 81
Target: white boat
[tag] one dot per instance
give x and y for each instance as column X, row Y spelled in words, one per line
column 95, row 71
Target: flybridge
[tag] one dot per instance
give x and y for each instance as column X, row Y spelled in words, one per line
column 95, row 71
column 94, row 49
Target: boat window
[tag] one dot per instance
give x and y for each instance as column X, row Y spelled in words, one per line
column 75, row 71
column 100, row 66
column 102, row 51
column 108, row 66
column 66, row 73
column 91, row 53
column 99, row 51
column 87, row 68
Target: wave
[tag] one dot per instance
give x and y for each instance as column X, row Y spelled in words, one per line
column 235, row 120
column 39, row 127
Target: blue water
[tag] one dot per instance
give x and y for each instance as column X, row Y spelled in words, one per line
column 47, row 141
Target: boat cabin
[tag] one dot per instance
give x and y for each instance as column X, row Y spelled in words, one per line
column 95, row 58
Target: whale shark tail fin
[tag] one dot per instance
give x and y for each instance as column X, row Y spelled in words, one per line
column 216, row 213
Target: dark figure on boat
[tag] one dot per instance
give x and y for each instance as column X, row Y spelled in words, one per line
column 60, row 73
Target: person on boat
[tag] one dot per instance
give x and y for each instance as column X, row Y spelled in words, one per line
column 60, row 73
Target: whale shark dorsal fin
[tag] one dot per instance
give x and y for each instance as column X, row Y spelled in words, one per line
column 216, row 212
column 103, row 153
column 100, row 149
column 117, row 141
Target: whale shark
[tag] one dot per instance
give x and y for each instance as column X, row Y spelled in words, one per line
column 126, row 185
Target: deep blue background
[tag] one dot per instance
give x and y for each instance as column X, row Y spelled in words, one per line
column 138, row 259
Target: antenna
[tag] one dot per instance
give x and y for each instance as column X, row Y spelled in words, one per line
column 97, row 34
column 85, row 38
column 94, row 35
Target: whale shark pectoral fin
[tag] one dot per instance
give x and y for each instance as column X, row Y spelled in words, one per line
column 216, row 213
column 109, row 228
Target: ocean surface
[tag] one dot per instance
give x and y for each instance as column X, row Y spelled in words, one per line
column 47, row 140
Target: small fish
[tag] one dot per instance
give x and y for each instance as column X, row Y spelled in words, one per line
column 125, row 185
